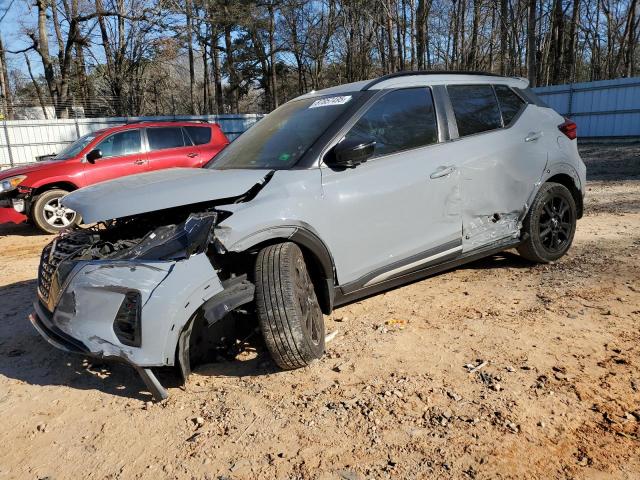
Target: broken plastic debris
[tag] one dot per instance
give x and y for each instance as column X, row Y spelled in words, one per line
column 330, row 336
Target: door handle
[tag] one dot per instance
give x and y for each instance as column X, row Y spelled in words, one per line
column 139, row 162
column 532, row 136
column 192, row 155
column 443, row 171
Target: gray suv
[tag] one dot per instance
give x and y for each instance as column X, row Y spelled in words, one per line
column 332, row 197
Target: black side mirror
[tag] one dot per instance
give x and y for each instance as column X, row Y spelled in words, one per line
column 351, row 153
column 94, row 155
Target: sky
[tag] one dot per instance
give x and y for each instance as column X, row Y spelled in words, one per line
column 18, row 13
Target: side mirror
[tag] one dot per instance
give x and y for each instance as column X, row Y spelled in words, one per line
column 94, row 155
column 351, row 153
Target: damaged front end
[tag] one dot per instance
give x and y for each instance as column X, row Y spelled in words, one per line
column 130, row 290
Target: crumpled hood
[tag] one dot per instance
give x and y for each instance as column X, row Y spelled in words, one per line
column 148, row 192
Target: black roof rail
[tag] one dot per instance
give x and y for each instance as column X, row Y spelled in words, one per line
column 407, row 73
column 173, row 120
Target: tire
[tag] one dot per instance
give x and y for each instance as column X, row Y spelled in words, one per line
column 550, row 224
column 288, row 310
column 49, row 216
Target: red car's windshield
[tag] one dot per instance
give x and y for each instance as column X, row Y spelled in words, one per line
column 76, row 147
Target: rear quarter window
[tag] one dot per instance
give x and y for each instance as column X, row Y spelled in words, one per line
column 475, row 108
column 199, row 135
column 510, row 103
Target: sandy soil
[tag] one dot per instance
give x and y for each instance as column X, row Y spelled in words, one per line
column 557, row 396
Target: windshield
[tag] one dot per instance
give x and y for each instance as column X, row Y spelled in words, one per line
column 280, row 139
column 76, row 147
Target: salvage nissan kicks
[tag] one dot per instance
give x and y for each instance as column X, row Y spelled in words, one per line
column 334, row 196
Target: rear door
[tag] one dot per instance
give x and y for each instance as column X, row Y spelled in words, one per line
column 122, row 154
column 399, row 211
column 501, row 157
column 171, row 147
column 206, row 138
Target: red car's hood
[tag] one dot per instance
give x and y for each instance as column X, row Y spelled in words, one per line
column 29, row 168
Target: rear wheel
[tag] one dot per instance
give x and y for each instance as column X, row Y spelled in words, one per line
column 550, row 224
column 49, row 215
column 288, row 311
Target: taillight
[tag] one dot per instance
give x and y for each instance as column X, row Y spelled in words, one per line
column 569, row 128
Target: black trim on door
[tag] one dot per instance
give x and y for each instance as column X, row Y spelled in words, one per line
column 342, row 298
column 362, row 281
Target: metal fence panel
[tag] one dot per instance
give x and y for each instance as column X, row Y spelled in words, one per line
column 21, row 141
column 602, row 109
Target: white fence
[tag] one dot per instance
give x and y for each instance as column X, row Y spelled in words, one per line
column 21, row 141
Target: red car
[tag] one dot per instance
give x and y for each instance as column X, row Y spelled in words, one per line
column 36, row 189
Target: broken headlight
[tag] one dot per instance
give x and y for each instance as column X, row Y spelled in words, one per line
column 175, row 242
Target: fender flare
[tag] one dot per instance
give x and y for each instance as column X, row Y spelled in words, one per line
column 305, row 236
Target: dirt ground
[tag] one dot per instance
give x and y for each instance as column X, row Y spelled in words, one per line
column 500, row 369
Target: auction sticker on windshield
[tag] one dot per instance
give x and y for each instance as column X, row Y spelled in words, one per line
column 326, row 102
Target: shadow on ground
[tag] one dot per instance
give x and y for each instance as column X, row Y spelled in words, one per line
column 25, row 356
column 20, row 229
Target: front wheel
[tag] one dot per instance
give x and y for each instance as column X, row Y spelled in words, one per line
column 288, row 310
column 49, row 215
column 550, row 224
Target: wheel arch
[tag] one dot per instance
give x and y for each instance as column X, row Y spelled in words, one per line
column 568, row 181
column 61, row 184
column 316, row 255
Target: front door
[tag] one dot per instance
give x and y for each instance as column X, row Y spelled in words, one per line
column 122, row 154
column 400, row 210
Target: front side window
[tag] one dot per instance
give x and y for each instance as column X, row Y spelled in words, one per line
column 475, row 108
column 510, row 103
column 120, row 144
column 400, row 120
column 161, row 138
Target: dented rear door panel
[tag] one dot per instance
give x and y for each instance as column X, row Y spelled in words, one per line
column 500, row 173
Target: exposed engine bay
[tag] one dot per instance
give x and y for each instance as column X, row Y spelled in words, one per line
column 112, row 276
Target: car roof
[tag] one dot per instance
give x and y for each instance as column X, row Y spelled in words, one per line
column 153, row 123
column 421, row 78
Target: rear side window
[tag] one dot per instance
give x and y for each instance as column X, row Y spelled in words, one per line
column 510, row 103
column 199, row 135
column 475, row 108
column 165, row 137
column 400, row 120
column 119, row 144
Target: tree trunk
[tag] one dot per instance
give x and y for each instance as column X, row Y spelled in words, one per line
column 504, row 31
column 37, row 87
column 421, row 32
column 189, row 40
column 217, row 78
column 531, row 43
column 231, row 70
column 5, row 89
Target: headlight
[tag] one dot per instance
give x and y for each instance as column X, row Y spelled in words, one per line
column 11, row 183
column 175, row 242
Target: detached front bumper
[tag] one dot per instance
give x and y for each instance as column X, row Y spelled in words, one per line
column 81, row 312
